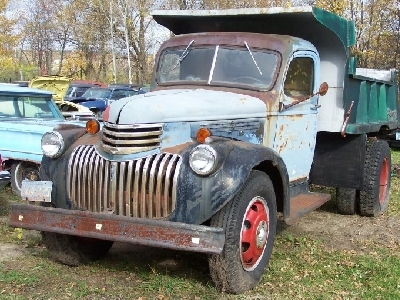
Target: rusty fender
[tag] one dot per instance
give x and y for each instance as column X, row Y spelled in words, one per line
column 70, row 132
column 157, row 233
column 200, row 197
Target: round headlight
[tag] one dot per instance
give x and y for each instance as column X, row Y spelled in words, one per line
column 203, row 159
column 52, row 144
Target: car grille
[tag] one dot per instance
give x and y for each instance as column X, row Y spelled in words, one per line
column 143, row 188
column 127, row 139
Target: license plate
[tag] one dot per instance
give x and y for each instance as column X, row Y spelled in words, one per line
column 36, row 190
column 397, row 135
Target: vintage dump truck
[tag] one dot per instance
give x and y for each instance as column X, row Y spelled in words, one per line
column 248, row 108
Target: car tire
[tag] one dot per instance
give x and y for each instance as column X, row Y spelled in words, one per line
column 374, row 197
column 23, row 170
column 347, row 201
column 249, row 221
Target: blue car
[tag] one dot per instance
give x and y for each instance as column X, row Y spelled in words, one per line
column 98, row 98
column 25, row 115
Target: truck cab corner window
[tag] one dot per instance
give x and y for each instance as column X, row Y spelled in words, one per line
column 299, row 80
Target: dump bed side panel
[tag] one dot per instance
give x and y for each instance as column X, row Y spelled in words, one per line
column 373, row 102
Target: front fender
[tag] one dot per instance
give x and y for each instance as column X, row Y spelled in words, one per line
column 200, row 197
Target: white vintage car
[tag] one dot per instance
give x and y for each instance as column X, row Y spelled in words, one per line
column 59, row 85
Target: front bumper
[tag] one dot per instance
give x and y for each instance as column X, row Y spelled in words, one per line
column 150, row 232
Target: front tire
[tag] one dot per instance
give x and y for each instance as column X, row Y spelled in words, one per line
column 23, row 170
column 374, row 198
column 74, row 251
column 249, row 221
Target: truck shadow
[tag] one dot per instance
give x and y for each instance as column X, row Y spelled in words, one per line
column 152, row 261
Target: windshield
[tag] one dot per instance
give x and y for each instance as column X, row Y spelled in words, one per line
column 28, row 107
column 219, row 65
column 97, row 93
column 76, row 91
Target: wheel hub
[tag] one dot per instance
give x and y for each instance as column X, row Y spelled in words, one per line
column 32, row 176
column 384, row 180
column 262, row 234
column 254, row 233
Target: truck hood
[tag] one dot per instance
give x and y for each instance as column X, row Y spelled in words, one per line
column 185, row 105
column 56, row 84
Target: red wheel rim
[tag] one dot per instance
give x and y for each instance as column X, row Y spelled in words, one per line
column 254, row 233
column 383, row 180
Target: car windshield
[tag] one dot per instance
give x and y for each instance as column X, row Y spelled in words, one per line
column 118, row 94
column 76, row 91
column 219, row 65
column 28, row 107
column 97, row 93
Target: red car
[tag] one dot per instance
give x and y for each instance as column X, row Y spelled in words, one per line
column 4, row 176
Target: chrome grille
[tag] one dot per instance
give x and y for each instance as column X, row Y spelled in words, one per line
column 126, row 139
column 143, row 188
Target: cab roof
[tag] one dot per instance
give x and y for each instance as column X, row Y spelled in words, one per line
column 15, row 90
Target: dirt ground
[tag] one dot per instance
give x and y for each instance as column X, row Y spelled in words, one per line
column 340, row 232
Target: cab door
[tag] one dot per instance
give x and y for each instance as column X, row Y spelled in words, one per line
column 297, row 125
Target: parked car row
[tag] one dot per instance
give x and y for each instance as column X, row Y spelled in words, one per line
column 27, row 113
column 78, row 87
column 81, row 98
column 98, row 98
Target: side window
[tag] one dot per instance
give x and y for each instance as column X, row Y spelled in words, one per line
column 8, row 107
column 299, row 80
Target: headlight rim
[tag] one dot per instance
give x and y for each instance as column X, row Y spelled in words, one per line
column 214, row 153
column 61, row 146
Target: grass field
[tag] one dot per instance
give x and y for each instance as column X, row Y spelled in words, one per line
column 322, row 256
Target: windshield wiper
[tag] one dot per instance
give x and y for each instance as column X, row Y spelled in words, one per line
column 181, row 58
column 248, row 48
column 213, row 65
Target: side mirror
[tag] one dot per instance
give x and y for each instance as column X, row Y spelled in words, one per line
column 323, row 89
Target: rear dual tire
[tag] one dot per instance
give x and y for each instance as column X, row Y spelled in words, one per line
column 347, row 201
column 373, row 199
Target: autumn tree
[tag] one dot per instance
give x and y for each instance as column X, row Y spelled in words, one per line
column 8, row 41
column 39, row 32
column 134, row 39
column 115, row 40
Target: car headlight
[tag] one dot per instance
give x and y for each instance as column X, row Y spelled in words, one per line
column 203, row 159
column 52, row 144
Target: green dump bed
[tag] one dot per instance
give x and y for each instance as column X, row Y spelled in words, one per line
column 372, row 96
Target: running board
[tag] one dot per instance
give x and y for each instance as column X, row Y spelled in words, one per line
column 305, row 203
